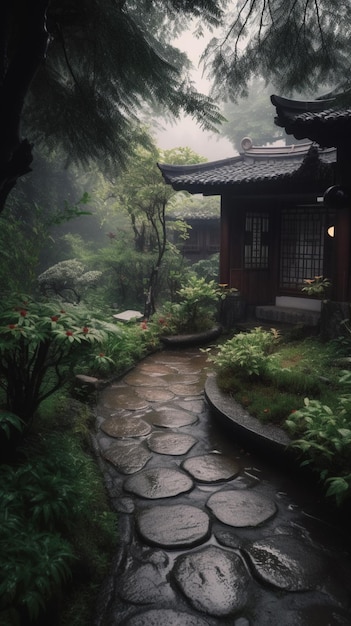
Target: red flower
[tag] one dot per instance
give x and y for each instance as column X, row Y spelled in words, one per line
column 55, row 318
column 69, row 333
column 102, row 354
column 161, row 321
column 12, row 326
column 293, row 411
column 23, row 313
column 143, row 325
column 85, row 330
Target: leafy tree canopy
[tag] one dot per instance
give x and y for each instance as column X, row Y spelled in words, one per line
column 294, row 44
column 252, row 117
column 104, row 61
column 76, row 72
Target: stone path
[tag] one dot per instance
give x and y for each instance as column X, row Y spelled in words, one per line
column 207, row 534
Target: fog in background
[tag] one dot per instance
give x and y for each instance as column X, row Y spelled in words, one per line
column 185, row 132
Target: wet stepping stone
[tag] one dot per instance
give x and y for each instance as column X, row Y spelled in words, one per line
column 143, row 380
column 144, row 583
column 154, row 369
column 163, row 617
column 176, row 526
column 211, row 468
column 187, row 390
column 128, row 456
column 196, row 406
column 167, row 417
column 158, row 482
column 213, row 580
column 171, row 443
column 176, row 379
column 287, row 563
column 156, row 394
column 241, row 508
column 125, row 427
column 122, row 398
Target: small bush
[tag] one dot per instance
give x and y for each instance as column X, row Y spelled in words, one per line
column 324, row 439
column 247, row 353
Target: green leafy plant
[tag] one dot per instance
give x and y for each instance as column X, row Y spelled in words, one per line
column 9, row 422
column 195, row 310
column 40, row 344
column 247, row 354
column 316, row 287
column 324, row 439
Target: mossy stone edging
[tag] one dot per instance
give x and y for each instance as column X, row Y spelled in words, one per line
column 266, row 439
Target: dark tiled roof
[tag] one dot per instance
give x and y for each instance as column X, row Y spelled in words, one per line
column 257, row 167
column 321, row 121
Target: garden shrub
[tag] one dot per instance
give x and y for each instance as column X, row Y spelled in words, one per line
column 323, row 438
column 195, row 309
column 247, row 353
column 40, row 345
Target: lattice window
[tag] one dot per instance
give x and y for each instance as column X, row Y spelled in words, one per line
column 302, row 245
column 256, row 241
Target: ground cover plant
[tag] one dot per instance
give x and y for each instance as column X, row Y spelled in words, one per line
column 56, row 528
column 299, row 385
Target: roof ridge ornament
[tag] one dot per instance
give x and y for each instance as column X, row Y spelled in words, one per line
column 246, row 143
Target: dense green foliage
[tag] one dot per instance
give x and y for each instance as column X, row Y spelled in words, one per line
column 56, row 528
column 95, row 81
column 195, row 309
column 40, row 344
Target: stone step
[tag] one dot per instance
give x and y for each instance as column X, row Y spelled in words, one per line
column 287, row 315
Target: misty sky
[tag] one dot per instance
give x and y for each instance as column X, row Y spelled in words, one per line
column 185, row 132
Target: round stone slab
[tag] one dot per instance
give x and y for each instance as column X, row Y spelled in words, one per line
column 214, row 581
column 187, row 390
column 158, row 482
column 241, row 508
column 171, row 443
column 154, row 369
column 155, row 394
column 175, row 526
column 211, row 468
column 168, row 417
column 136, row 379
column 161, row 617
column 128, row 456
column 125, row 427
column 122, row 398
column 286, row 563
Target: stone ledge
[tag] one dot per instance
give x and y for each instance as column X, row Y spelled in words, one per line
column 192, row 339
column 265, row 439
column 288, row 315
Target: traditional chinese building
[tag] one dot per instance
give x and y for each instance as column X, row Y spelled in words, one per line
column 275, row 230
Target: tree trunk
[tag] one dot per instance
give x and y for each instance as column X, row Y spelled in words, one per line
column 23, row 44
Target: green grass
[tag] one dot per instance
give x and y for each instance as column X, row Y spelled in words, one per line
column 297, row 369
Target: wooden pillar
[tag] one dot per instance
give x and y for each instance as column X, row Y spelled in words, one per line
column 224, row 256
column 343, row 230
